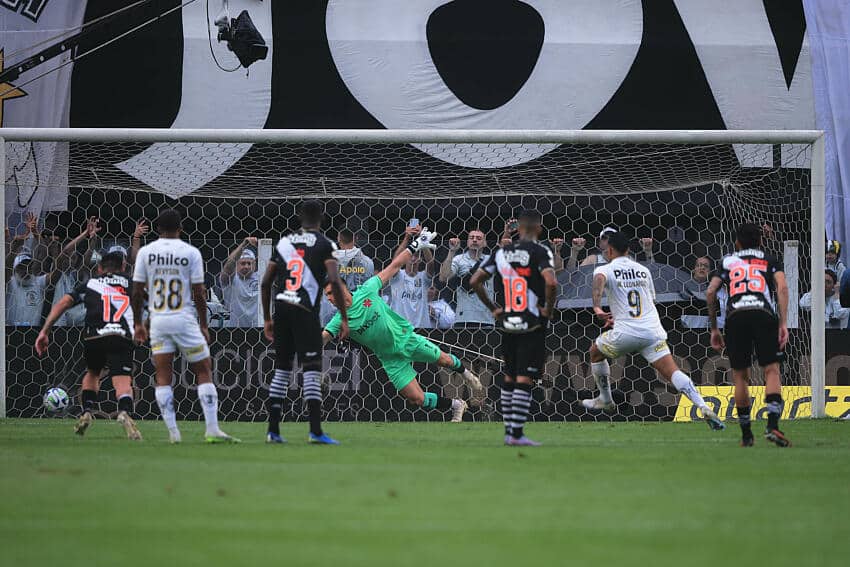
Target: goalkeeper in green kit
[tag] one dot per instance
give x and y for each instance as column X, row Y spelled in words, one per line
column 391, row 337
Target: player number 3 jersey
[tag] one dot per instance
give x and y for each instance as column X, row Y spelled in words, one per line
column 301, row 272
column 169, row 267
column 631, row 298
column 521, row 291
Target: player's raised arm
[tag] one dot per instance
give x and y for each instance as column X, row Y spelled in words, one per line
column 598, row 289
column 423, row 241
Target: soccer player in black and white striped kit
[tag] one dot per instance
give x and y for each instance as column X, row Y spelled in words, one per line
column 300, row 263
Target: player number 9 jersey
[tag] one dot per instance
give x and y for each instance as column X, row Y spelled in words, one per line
column 169, row 267
column 631, row 298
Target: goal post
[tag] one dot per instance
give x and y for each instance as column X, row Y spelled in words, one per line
column 459, row 178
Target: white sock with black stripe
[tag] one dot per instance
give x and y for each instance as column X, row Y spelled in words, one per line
column 277, row 394
column 507, row 395
column 521, row 404
column 312, row 394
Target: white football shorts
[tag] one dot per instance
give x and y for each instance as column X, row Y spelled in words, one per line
column 178, row 332
column 615, row 344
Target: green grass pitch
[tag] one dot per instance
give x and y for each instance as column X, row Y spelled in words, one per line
column 424, row 494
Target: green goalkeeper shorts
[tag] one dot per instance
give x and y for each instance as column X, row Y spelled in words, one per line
column 399, row 365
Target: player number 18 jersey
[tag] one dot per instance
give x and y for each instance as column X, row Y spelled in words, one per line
column 169, row 267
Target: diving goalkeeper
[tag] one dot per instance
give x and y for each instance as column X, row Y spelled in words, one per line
column 391, row 337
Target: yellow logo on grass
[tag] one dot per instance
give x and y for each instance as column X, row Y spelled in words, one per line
column 798, row 402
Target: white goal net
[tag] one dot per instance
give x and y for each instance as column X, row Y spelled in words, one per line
column 677, row 195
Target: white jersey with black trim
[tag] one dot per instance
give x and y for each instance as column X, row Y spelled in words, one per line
column 631, row 298
column 169, row 267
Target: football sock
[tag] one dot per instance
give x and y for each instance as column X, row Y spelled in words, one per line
column 89, row 399
column 685, row 385
column 774, row 410
column 433, row 401
column 602, row 372
column 277, row 394
column 507, row 395
column 457, row 365
column 312, row 393
column 165, row 401
column 125, row 403
column 744, row 421
column 208, row 397
column 520, row 403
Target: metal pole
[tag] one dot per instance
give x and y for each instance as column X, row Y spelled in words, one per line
column 3, row 271
column 152, row 135
column 818, row 350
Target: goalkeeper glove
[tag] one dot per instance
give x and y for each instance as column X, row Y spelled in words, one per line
column 422, row 241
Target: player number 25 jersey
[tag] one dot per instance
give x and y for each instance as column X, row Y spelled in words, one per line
column 169, row 267
column 301, row 272
column 749, row 278
column 520, row 289
column 631, row 298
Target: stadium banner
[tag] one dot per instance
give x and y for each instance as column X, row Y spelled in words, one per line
column 798, row 402
column 36, row 172
column 356, row 388
column 599, row 64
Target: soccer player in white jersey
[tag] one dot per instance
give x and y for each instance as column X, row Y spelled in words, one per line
column 636, row 328
column 172, row 273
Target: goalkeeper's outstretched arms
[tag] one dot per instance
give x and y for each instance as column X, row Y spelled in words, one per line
column 422, row 242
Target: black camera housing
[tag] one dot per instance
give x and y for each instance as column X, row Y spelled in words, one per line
column 244, row 39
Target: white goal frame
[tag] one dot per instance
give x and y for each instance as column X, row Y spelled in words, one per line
column 590, row 137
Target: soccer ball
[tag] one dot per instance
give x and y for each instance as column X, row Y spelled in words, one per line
column 56, row 399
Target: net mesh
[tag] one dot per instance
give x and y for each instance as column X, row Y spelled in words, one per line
column 678, row 203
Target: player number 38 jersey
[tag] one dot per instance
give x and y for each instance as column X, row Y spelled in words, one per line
column 169, row 267
column 521, row 291
column 631, row 298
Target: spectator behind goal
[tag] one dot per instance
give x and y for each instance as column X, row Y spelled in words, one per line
column 355, row 267
column 835, row 316
column 240, row 284
column 463, row 266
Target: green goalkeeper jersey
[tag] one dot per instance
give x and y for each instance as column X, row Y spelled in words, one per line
column 371, row 321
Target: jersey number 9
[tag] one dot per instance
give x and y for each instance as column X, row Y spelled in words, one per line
column 634, row 303
column 167, row 294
